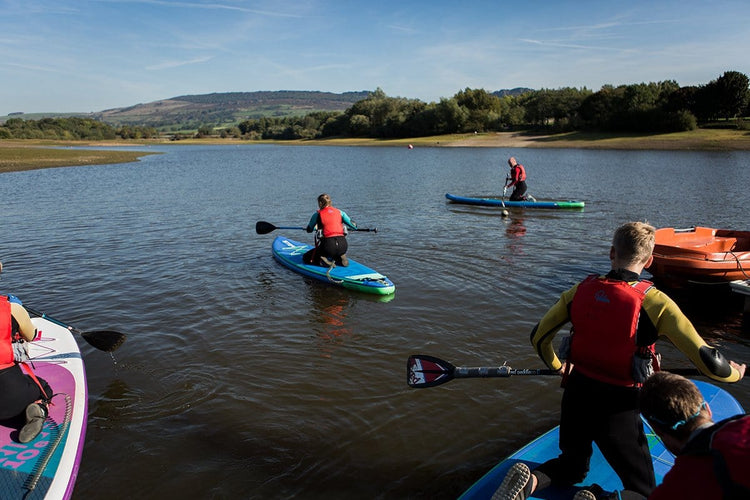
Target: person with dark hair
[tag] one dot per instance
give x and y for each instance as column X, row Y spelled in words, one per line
column 617, row 319
column 712, row 458
column 330, row 239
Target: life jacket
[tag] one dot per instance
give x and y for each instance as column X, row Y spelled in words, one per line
column 330, row 219
column 605, row 315
column 6, row 334
column 519, row 173
column 728, row 443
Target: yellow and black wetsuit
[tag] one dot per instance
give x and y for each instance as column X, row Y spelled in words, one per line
column 660, row 318
column 607, row 414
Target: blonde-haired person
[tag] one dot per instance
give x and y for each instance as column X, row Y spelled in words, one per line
column 616, row 319
column 330, row 242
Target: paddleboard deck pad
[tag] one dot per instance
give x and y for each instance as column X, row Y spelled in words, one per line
column 355, row 276
column 46, row 468
column 499, row 202
column 545, row 447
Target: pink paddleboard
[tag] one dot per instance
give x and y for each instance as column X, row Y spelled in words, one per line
column 47, row 467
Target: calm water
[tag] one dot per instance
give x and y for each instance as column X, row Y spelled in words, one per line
column 241, row 379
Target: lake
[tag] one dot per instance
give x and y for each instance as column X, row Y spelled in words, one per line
column 241, row 379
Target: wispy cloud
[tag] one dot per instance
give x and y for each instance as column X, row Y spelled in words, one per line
column 176, row 64
column 403, row 29
column 568, row 45
column 206, row 6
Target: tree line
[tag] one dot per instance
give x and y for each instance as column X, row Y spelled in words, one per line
column 71, row 129
column 640, row 108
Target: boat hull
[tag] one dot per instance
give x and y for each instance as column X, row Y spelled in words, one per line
column 701, row 254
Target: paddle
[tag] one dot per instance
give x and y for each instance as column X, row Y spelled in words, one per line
column 104, row 340
column 263, row 227
column 504, row 213
column 429, row 371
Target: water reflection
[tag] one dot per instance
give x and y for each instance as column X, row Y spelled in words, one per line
column 516, row 229
column 330, row 309
column 230, row 383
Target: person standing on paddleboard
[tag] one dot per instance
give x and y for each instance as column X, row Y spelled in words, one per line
column 330, row 240
column 24, row 397
column 617, row 319
column 516, row 180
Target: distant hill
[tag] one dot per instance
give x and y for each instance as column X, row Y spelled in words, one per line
column 189, row 112
column 512, row 92
column 228, row 108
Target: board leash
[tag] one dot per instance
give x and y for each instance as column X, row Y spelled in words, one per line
column 36, row 472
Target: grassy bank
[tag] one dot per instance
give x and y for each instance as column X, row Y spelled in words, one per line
column 31, row 155
column 27, row 155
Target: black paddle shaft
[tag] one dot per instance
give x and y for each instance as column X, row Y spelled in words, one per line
column 498, row 371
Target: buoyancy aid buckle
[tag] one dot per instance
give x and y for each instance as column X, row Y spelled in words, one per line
column 646, row 362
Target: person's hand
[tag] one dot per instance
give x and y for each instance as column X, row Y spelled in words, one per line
column 308, row 229
column 740, row 368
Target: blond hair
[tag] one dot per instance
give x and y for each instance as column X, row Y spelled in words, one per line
column 634, row 242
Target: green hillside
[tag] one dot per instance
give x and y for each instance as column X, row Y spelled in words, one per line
column 218, row 109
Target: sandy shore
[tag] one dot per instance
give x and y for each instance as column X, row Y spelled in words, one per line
column 25, row 155
column 705, row 140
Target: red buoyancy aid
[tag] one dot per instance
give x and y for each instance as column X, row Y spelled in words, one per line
column 6, row 334
column 519, row 173
column 330, row 219
column 729, row 446
column 723, row 475
column 605, row 314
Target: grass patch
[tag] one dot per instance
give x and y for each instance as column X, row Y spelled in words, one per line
column 15, row 157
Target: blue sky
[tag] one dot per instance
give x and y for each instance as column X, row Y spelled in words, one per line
column 91, row 55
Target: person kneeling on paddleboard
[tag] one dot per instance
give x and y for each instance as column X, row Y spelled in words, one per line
column 22, row 394
column 330, row 239
column 516, row 180
column 617, row 318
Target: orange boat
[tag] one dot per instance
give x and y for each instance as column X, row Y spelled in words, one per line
column 701, row 254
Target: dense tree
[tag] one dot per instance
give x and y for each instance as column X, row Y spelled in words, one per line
column 732, row 94
column 557, row 109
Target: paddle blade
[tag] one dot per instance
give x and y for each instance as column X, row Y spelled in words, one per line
column 427, row 371
column 104, row 340
column 262, row 227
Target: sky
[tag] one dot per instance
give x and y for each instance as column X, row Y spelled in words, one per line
column 92, row 55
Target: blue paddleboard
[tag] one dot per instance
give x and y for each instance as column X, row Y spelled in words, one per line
column 545, row 447
column 355, row 276
column 500, row 202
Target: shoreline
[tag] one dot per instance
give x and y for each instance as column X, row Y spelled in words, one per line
column 18, row 155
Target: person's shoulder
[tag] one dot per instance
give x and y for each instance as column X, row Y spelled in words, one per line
column 655, row 293
column 688, row 476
